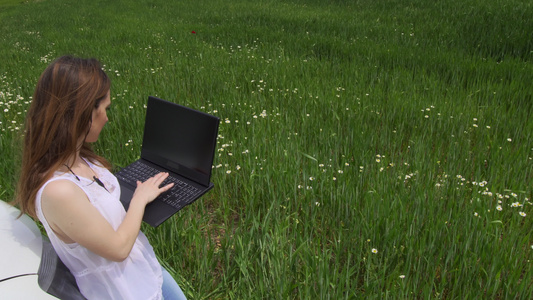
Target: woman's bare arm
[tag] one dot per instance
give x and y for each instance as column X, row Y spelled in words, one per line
column 74, row 219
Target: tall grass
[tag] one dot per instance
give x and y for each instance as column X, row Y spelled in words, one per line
column 368, row 149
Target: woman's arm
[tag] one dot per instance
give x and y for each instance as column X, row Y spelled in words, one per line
column 74, row 219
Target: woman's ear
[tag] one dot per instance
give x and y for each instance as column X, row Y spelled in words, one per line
column 89, row 127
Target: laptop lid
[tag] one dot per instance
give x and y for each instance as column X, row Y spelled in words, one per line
column 180, row 139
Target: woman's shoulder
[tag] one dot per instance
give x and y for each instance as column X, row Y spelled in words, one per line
column 61, row 189
column 60, row 185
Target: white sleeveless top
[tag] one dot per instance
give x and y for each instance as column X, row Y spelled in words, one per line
column 137, row 277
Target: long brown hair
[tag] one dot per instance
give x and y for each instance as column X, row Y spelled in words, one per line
column 67, row 92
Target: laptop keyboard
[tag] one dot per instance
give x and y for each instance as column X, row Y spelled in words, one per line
column 178, row 196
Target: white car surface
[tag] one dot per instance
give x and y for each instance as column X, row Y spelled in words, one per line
column 20, row 256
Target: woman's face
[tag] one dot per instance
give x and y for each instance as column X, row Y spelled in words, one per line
column 99, row 119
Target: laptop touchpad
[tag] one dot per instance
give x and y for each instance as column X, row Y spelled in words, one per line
column 156, row 212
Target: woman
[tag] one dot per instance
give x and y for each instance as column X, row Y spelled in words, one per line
column 74, row 195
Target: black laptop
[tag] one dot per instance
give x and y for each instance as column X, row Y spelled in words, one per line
column 178, row 140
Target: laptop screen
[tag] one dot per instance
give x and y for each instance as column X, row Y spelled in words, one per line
column 180, row 139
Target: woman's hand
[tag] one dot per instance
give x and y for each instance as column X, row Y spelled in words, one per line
column 149, row 190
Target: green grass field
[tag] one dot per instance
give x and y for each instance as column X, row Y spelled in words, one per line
column 368, row 149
